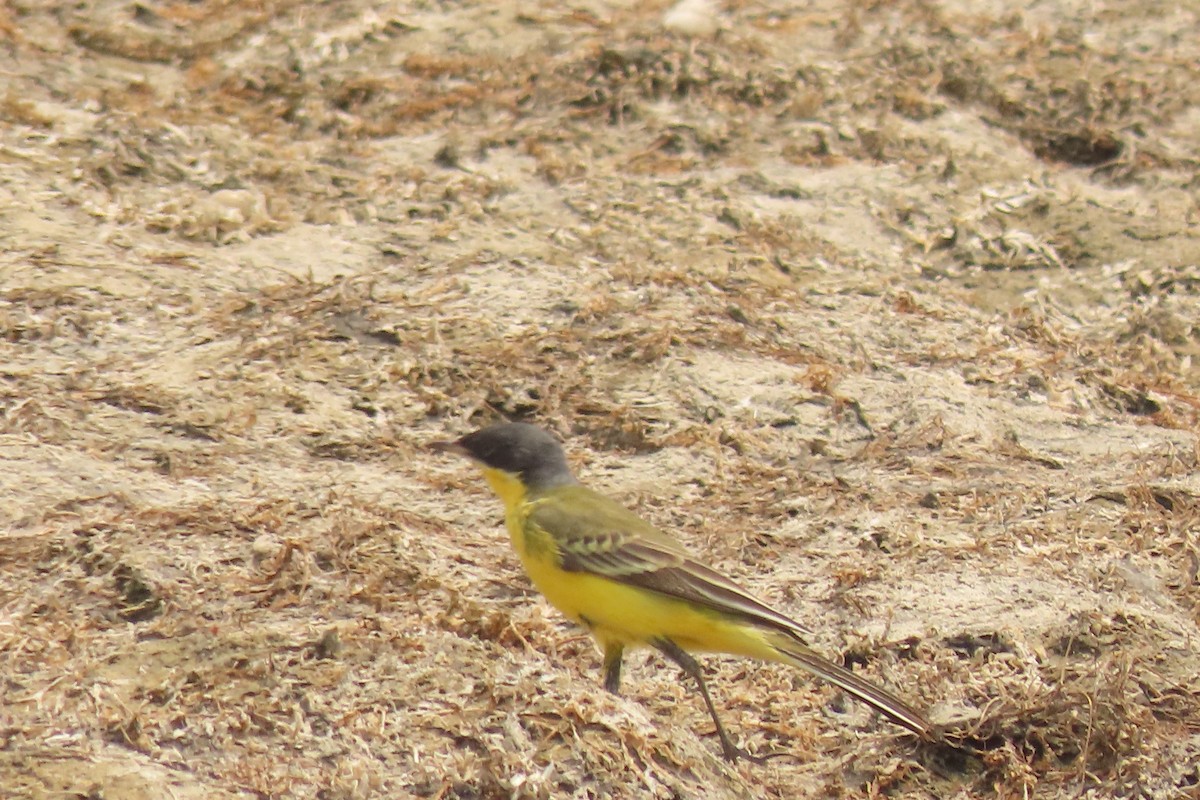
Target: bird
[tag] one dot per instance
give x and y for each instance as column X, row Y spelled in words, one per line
column 633, row 585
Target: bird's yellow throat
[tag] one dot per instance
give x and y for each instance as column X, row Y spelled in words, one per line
column 507, row 486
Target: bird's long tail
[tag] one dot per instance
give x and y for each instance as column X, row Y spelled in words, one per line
column 790, row 651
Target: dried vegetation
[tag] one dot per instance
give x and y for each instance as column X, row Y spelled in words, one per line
column 891, row 309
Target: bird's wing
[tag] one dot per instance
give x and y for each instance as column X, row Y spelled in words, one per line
column 597, row 536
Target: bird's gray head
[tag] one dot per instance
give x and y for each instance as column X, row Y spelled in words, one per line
column 519, row 449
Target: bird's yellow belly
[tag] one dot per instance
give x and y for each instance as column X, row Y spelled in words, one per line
column 627, row 615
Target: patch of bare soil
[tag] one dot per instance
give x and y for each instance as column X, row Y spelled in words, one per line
column 889, row 309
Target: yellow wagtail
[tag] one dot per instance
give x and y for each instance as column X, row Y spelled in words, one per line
column 631, row 584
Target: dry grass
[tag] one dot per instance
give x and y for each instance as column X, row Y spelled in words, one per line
column 888, row 309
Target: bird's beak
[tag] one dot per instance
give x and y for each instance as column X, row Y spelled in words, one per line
column 448, row 447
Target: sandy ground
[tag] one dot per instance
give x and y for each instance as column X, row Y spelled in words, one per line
column 889, row 309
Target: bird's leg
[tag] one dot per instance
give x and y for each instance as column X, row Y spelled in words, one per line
column 690, row 666
column 612, row 666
